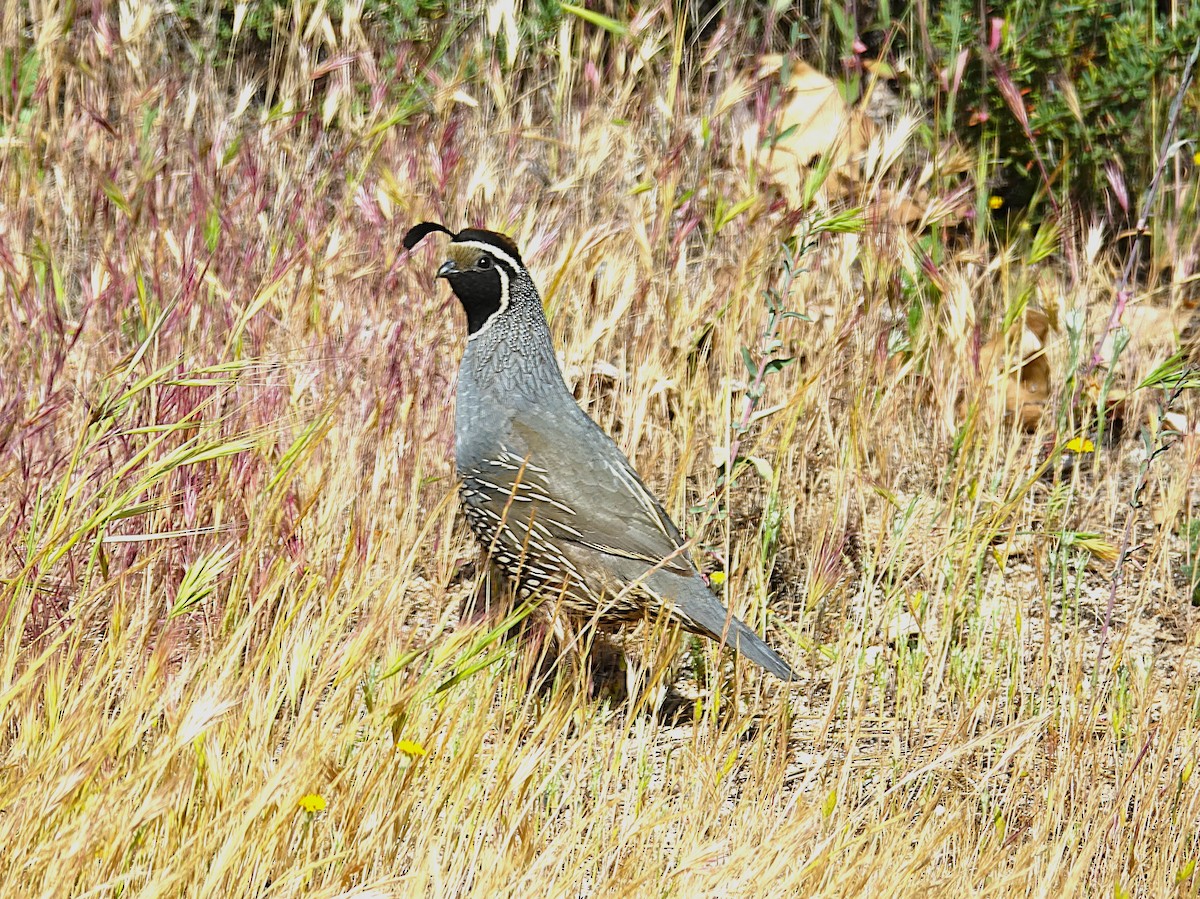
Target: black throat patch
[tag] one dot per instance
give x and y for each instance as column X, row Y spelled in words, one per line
column 482, row 294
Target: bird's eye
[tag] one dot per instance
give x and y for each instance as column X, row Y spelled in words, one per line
column 484, row 263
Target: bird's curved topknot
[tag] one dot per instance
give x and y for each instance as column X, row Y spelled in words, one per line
column 418, row 233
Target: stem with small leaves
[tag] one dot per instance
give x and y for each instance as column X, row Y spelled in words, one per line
column 761, row 362
column 768, row 363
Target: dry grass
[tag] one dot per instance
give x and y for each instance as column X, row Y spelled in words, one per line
column 233, row 574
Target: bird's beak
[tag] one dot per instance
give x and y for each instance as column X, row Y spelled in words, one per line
column 448, row 268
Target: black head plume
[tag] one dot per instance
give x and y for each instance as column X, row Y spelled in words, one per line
column 418, row 233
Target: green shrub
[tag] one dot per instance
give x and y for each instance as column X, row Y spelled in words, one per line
column 1095, row 78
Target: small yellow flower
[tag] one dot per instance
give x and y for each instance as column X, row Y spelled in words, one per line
column 312, row 803
column 717, row 578
column 411, row 748
column 1196, row 158
column 1080, row 445
column 995, row 202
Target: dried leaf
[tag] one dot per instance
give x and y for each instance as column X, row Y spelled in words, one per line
column 1024, row 370
column 815, row 127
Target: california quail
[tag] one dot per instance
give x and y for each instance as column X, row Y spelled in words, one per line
column 547, row 492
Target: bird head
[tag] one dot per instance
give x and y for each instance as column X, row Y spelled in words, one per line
column 481, row 267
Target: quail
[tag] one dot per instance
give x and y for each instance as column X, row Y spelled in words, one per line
column 546, row 491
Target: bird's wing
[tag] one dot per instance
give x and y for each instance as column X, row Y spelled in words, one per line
column 593, row 493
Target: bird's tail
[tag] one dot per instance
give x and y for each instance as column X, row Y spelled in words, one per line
column 705, row 614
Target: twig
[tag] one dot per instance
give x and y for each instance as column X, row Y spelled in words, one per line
column 1123, row 292
column 1137, row 763
column 1135, row 505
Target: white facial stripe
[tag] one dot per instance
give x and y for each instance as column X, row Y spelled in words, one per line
column 490, row 248
column 503, row 292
